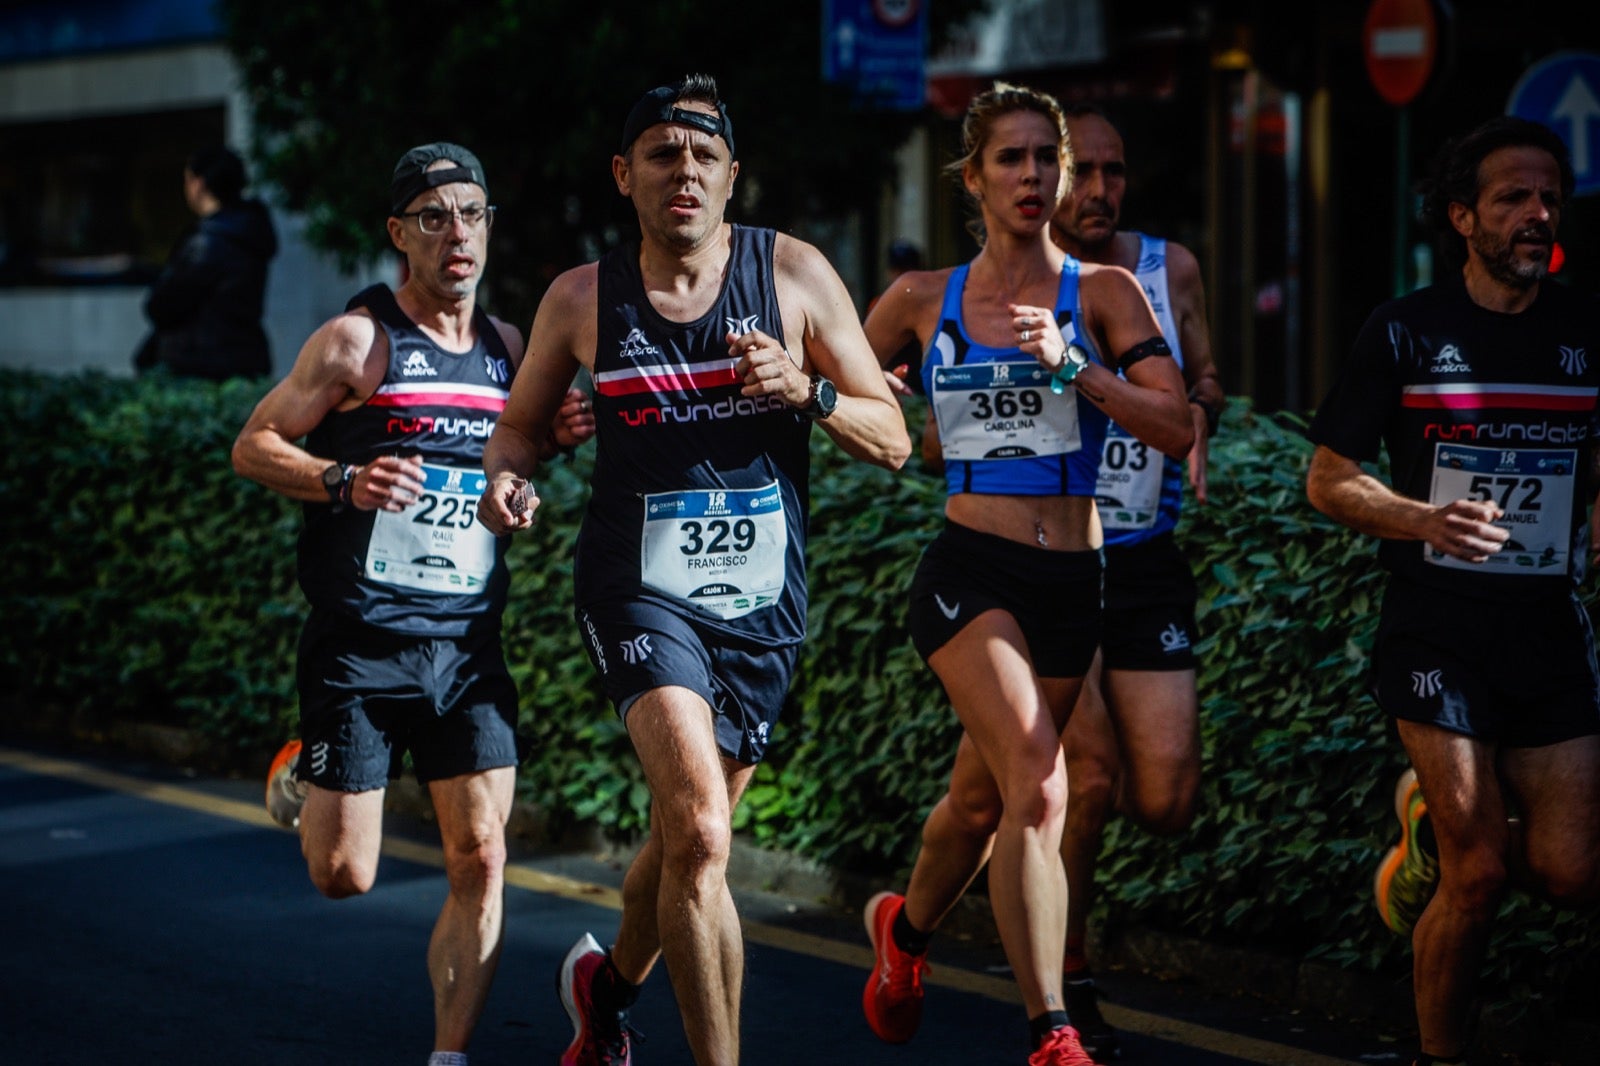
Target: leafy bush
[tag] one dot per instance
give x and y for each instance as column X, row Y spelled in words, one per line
column 145, row 581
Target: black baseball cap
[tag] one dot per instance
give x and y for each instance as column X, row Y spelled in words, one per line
column 661, row 105
column 412, row 176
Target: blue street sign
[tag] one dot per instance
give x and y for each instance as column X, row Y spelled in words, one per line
column 878, row 47
column 1563, row 92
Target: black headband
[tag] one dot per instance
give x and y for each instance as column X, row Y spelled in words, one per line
column 661, row 105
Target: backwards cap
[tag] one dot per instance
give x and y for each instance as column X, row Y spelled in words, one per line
column 661, row 105
column 412, row 176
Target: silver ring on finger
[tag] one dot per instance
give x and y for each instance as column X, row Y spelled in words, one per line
column 1027, row 335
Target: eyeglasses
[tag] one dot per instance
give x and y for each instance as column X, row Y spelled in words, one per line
column 438, row 219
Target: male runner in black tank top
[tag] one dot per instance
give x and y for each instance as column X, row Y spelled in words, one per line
column 401, row 651
column 1483, row 390
column 714, row 348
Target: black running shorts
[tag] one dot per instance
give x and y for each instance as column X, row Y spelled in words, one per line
column 1149, row 617
column 639, row 645
column 1519, row 675
column 368, row 696
column 1053, row 595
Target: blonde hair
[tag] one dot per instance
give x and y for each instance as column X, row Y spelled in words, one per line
column 1004, row 98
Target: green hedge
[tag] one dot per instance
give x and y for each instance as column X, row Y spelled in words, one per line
column 144, row 580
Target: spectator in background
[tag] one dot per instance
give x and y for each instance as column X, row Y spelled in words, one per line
column 205, row 307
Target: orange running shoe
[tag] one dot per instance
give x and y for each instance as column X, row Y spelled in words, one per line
column 286, row 794
column 1408, row 874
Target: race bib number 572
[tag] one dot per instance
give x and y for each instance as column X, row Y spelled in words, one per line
column 1534, row 487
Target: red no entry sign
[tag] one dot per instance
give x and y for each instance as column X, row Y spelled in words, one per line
column 1400, row 41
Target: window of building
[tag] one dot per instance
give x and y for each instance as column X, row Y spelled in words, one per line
column 97, row 201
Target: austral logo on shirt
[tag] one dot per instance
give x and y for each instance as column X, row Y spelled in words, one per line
column 498, row 369
column 1573, row 360
column 417, row 366
column 636, row 344
column 1448, row 361
column 740, row 326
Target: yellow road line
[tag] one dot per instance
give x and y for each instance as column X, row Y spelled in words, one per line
column 1250, row 1049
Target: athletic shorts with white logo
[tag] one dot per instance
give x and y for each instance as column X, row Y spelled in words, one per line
column 1149, row 617
column 1518, row 675
column 1054, row 596
column 639, row 645
column 368, row 696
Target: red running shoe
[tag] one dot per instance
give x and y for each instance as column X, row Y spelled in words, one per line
column 892, row 1000
column 1061, row 1048
column 599, row 1038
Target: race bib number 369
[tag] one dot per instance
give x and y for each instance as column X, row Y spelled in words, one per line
column 1002, row 411
column 720, row 551
column 1533, row 487
column 436, row 544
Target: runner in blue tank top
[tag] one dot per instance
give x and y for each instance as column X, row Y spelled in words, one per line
column 1133, row 741
column 1023, row 347
column 401, row 652
column 714, row 350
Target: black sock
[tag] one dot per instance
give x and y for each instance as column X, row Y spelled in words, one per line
column 612, row 990
column 907, row 937
column 1047, row 1023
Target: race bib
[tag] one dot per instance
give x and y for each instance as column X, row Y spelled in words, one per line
column 436, row 544
column 1128, row 490
column 720, row 551
column 1002, row 411
column 1533, row 487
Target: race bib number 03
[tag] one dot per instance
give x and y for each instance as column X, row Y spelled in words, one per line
column 721, row 551
column 436, row 544
column 1533, row 487
column 1128, row 490
column 1002, row 411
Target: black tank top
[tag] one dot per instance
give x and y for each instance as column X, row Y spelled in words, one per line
column 432, row 571
column 699, row 494
column 1472, row 403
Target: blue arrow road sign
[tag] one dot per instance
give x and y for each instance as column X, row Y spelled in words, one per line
column 1563, row 92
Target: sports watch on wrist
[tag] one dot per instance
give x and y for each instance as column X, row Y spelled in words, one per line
column 1073, row 361
column 333, row 481
column 824, row 398
column 337, row 481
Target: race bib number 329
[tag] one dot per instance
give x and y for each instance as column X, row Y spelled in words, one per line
column 720, row 551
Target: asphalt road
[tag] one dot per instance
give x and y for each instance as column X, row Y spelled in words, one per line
column 156, row 917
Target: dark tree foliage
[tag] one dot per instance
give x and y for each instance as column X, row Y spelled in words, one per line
column 539, row 92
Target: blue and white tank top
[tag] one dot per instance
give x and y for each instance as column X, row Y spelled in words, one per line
column 1140, row 490
column 1001, row 428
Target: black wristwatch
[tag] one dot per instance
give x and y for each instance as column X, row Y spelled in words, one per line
column 824, row 398
column 336, row 480
column 333, row 481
